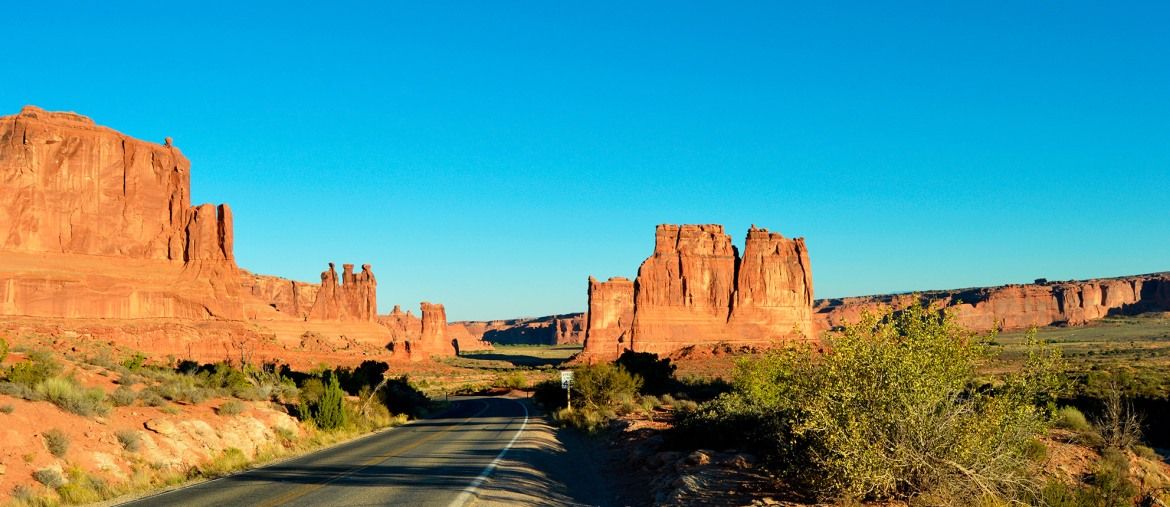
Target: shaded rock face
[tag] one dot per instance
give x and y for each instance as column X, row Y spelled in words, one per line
column 695, row 289
column 433, row 338
column 288, row 297
column 355, row 298
column 71, row 186
column 610, row 320
column 1020, row 306
column 408, row 338
column 548, row 330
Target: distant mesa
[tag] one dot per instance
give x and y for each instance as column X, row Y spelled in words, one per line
column 95, row 224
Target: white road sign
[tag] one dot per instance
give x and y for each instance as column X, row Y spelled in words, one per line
column 566, row 378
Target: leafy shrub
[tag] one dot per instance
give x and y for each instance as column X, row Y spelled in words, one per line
column 400, row 397
column 657, row 374
column 330, row 411
column 67, row 394
column 57, row 442
column 131, row 440
column 39, row 367
column 231, row 408
column 135, row 362
column 49, row 477
column 1070, row 418
column 123, row 396
column 604, row 385
column 513, row 380
column 3, row 349
column 890, row 410
column 549, row 395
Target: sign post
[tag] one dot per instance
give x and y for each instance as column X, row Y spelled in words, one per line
column 566, row 384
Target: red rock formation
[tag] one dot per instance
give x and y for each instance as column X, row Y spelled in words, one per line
column 288, row 297
column 567, row 328
column 434, row 340
column 354, row 299
column 694, row 290
column 1018, row 306
column 774, row 290
column 97, row 224
column 71, row 186
column 610, row 320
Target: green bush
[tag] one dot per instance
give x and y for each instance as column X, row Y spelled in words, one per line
column 3, row 349
column 49, row 477
column 135, row 362
column 123, row 396
column 604, row 385
column 131, row 440
column 330, row 411
column 891, row 410
column 401, row 398
column 231, row 408
column 588, row 419
column 512, row 380
column 67, row 394
column 657, row 374
column 57, row 442
column 1070, row 418
column 39, row 366
column 84, row 488
column 6, row 409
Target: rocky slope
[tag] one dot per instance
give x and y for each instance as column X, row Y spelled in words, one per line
column 561, row 329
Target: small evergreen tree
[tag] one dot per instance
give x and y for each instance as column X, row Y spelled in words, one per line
column 330, row 412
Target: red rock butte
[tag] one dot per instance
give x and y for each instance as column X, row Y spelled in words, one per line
column 98, row 228
column 695, row 289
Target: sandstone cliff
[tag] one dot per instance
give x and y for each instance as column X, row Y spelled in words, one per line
column 1018, row 306
column 695, row 289
column 355, row 298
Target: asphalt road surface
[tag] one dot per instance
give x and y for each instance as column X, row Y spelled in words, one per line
column 481, row 451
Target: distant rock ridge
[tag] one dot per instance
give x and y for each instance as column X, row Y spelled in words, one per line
column 1017, row 306
column 561, row 329
column 695, row 289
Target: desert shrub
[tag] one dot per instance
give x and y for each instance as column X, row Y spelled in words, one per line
column 3, row 349
column 134, row 362
column 57, row 442
column 657, row 374
column 1146, row 452
column 891, row 409
column 1111, row 482
column 181, row 389
column 549, row 395
column 368, row 374
column 123, row 396
column 330, row 411
column 152, row 399
column 1119, row 426
column 588, row 419
column 6, row 409
column 49, row 477
column 312, row 389
column 84, row 488
column 513, row 380
column 226, row 462
column 39, row 366
column 67, row 394
column 604, row 385
column 131, row 440
column 231, row 408
column 1070, row 418
column 400, row 397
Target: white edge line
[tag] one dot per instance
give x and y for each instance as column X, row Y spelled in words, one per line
column 470, row 490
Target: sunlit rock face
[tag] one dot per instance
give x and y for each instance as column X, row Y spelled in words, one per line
column 696, row 289
column 1020, row 306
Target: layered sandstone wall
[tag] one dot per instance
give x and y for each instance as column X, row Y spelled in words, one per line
column 695, row 289
column 74, row 187
column 1018, row 306
column 610, row 319
column 96, row 224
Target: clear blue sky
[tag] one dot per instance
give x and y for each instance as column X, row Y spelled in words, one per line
column 492, row 155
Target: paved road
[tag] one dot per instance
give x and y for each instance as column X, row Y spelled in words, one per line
column 442, row 461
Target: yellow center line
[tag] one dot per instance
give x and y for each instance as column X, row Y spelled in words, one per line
column 303, row 490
